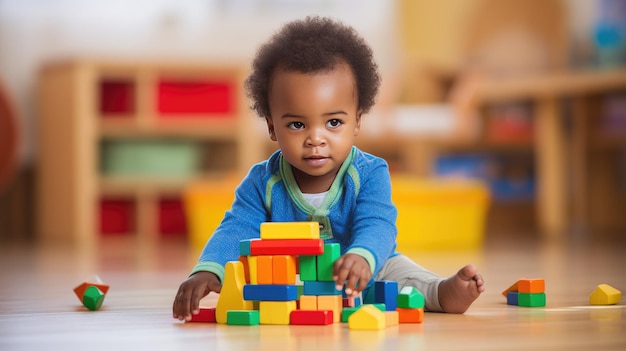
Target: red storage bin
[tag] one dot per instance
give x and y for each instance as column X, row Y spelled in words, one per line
column 117, row 97
column 117, row 216
column 195, row 97
column 172, row 220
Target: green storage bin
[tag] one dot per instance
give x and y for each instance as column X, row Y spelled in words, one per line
column 170, row 158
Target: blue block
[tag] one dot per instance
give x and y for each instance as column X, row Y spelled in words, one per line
column 512, row 298
column 386, row 292
column 267, row 292
column 244, row 247
column 320, row 288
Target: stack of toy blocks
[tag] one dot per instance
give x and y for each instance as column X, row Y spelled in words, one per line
column 272, row 265
column 91, row 293
column 384, row 306
column 526, row 293
column 263, row 286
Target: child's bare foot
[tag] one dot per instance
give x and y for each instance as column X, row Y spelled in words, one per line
column 457, row 293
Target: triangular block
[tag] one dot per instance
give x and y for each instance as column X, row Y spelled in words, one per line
column 367, row 317
column 605, row 294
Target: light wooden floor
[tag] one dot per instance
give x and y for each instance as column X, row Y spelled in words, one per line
column 38, row 309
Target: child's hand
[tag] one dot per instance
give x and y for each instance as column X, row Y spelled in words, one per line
column 354, row 271
column 199, row 285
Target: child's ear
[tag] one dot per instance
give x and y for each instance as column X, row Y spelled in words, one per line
column 270, row 128
column 357, row 127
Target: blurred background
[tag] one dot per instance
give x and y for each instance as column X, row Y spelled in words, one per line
column 127, row 118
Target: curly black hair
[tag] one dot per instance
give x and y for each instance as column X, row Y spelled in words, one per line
column 311, row 45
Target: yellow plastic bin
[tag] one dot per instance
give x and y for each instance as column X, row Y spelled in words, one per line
column 205, row 204
column 439, row 214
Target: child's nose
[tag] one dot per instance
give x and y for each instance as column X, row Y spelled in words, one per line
column 316, row 138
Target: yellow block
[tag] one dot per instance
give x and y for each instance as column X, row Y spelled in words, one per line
column 392, row 318
column 276, row 312
column 231, row 295
column 439, row 214
column 605, row 294
column 290, row 230
column 332, row 303
column 367, row 317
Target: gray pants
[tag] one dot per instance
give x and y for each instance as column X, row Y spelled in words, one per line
column 408, row 273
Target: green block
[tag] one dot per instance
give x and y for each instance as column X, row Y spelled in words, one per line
column 410, row 297
column 237, row 317
column 531, row 300
column 346, row 312
column 325, row 262
column 308, row 268
column 93, row 298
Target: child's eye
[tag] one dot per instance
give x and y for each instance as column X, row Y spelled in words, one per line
column 295, row 125
column 334, row 123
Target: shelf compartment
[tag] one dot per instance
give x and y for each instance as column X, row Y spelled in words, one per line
column 510, row 177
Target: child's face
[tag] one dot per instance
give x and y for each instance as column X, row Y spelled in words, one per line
column 314, row 119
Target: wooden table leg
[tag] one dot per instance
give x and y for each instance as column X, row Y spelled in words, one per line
column 550, row 154
column 579, row 165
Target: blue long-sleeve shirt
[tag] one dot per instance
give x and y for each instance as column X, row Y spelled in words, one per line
column 357, row 211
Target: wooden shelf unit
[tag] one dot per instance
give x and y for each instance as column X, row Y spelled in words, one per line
column 84, row 103
column 577, row 185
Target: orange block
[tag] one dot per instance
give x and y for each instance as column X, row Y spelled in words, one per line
column 512, row 288
column 410, row 315
column 531, row 286
column 246, row 267
column 264, row 272
column 284, row 269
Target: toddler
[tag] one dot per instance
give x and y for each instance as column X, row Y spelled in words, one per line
column 312, row 82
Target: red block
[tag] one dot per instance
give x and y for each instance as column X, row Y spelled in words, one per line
column 300, row 317
column 287, row 247
column 206, row 315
